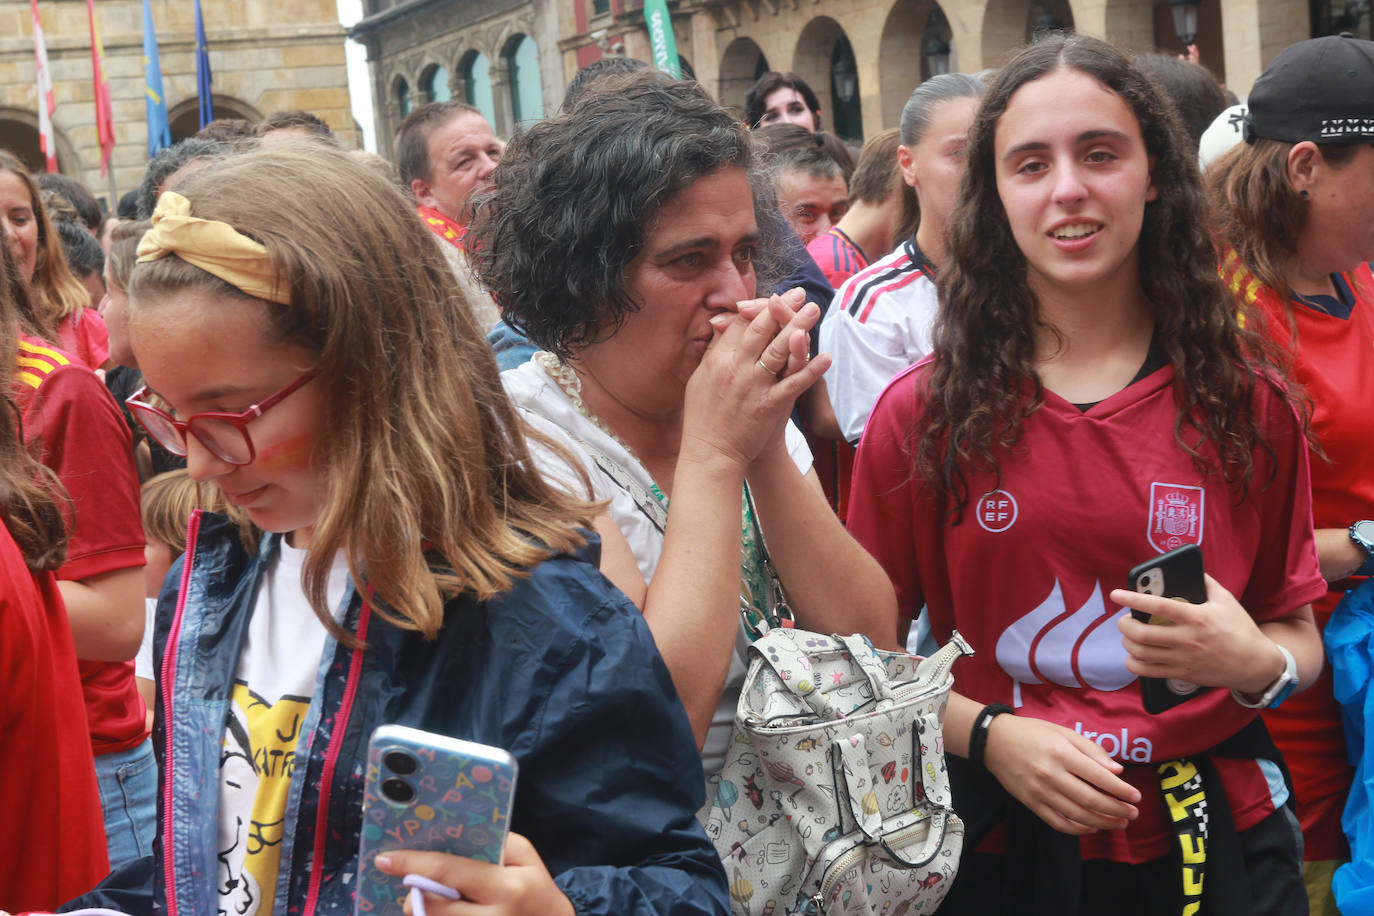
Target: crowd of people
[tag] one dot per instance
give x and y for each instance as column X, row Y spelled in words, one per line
column 525, row 443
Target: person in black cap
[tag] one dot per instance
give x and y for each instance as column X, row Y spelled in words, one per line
column 1295, row 211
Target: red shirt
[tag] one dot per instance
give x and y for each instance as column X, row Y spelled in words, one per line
column 1334, row 362
column 83, row 333
column 450, row 231
column 85, row 441
column 837, row 256
column 1083, row 497
column 54, row 846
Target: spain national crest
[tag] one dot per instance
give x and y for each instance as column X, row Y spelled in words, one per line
column 1176, row 515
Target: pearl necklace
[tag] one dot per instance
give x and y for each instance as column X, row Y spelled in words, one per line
column 570, row 384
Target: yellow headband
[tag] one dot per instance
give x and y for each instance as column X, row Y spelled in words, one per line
column 215, row 247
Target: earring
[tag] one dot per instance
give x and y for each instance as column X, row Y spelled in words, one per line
column 1303, row 194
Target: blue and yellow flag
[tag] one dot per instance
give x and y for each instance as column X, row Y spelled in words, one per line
column 203, row 77
column 155, row 103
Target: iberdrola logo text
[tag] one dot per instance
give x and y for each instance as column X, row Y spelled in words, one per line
column 1120, row 744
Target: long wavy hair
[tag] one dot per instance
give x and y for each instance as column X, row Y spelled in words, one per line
column 1256, row 210
column 429, row 487
column 34, row 507
column 55, row 292
column 984, row 342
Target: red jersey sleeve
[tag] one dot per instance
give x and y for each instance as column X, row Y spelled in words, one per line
column 881, row 501
column 1286, row 573
column 84, row 333
column 84, row 439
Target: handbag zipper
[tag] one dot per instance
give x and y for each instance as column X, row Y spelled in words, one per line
column 846, row 860
column 949, row 653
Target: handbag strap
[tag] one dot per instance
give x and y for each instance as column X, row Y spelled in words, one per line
column 777, row 612
column 649, row 505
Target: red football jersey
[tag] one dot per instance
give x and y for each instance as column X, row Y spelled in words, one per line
column 85, row 441
column 1083, row 497
column 55, row 848
column 1332, row 362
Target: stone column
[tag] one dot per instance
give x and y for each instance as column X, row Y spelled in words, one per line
column 500, row 98
column 390, row 122
column 1128, row 24
column 1254, row 31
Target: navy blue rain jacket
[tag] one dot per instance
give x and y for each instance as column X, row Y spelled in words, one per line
column 561, row 671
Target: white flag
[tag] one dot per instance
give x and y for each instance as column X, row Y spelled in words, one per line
column 46, row 103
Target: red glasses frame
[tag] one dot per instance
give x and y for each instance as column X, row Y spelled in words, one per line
column 171, row 433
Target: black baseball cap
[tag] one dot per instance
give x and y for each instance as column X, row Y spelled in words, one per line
column 1321, row 90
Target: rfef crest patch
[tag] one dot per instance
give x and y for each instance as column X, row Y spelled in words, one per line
column 1176, row 515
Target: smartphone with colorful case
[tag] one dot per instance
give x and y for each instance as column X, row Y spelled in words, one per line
column 430, row 792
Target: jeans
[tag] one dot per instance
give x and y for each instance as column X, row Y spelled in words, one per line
column 128, row 799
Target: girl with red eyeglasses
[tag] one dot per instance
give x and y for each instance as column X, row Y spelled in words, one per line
column 414, row 568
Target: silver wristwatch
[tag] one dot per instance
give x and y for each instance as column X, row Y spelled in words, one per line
column 1362, row 533
column 1278, row 691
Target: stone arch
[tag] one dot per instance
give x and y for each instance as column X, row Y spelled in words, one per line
column 435, row 84
column 1003, row 30
column 814, row 61
column 1009, row 24
column 1049, row 15
column 902, row 58
column 400, row 97
column 524, row 79
column 184, row 117
column 1210, row 31
column 740, row 66
column 474, row 76
column 19, row 135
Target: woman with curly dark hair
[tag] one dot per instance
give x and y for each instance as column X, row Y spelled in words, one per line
column 626, row 237
column 1091, row 402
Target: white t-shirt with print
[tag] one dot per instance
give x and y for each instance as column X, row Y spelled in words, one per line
column 273, row 684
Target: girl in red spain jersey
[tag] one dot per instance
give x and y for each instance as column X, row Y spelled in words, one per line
column 1091, row 402
column 54, row 846
column 1294, row 206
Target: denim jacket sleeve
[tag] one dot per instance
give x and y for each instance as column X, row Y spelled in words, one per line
column 610, row 771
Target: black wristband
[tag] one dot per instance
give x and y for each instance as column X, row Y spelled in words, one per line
column 978, row 737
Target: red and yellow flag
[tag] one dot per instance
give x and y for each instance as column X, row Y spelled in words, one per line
column 104, row 113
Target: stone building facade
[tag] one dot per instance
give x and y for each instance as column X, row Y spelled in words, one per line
column 265, row 55
column 863, row 57
column 500, row 55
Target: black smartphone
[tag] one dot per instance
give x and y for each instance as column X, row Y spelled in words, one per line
column 1177, row 575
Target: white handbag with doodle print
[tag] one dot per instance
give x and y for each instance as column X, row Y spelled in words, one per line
column 834, row 796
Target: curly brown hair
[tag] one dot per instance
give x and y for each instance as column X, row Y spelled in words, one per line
column 984, row 341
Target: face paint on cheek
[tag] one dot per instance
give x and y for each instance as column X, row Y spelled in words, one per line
column 290, row 455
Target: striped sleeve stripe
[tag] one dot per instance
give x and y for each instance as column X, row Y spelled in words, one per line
column 902, row 280
column 905, row 270
column 861, row 285
column 36, row 362
column 46, row 352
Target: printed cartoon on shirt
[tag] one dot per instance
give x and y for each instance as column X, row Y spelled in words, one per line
column 255, row 776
